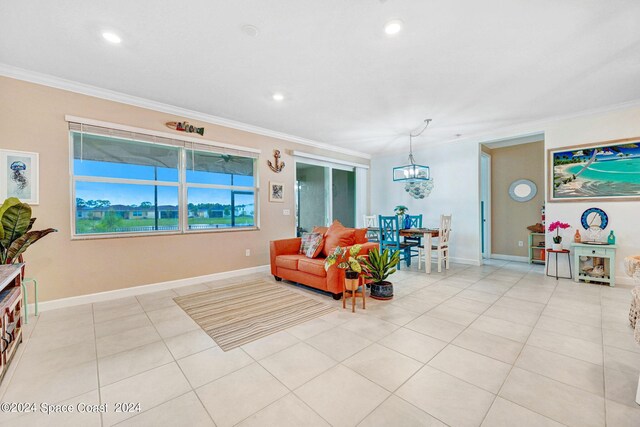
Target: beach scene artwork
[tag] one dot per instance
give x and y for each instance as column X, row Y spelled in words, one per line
column 608, row 171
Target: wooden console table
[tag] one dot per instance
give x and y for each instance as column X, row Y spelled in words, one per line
column 10, row 313
column 604, row 255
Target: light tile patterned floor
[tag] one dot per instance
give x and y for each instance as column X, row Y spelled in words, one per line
column 497, row 345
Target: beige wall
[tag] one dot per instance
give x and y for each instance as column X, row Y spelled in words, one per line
column 32, row 119
column 509, row 219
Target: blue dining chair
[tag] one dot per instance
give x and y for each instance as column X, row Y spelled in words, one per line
column 390, row 237
column 415, row 221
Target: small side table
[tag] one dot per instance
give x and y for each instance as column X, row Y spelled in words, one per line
column 563, row 251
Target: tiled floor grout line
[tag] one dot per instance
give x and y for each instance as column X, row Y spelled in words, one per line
column 393, row 393
column 604, row 376
column 95, row 346
column 513, row 365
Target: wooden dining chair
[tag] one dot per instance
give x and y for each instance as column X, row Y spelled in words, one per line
column 371, row 224
column 442, row 248
column 390, row 237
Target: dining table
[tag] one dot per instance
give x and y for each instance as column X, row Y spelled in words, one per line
column 426, row 233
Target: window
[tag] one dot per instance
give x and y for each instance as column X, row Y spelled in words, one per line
column 126, row 183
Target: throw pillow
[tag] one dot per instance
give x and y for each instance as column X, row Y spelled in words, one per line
column 321, row 230
column 338, row 237
column 361, row 235
column 316, row 245
column 306, row 240
column 336, row 225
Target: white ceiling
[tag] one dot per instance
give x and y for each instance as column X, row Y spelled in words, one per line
column 471, row 66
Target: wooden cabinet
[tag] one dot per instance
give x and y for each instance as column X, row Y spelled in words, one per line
column 536, row 248
column 10, row 313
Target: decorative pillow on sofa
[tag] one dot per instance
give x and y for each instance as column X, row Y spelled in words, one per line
column 316, row 245
column 307, row 240
column 321, row 230
column 339, row 236
column 361, row 236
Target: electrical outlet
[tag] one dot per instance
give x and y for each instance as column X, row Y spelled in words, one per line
column 286, row 212
column 520, row 243
column 247, row 252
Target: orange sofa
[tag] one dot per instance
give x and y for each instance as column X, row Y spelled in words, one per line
column 288, row 264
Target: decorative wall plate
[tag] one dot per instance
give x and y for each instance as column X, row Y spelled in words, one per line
column 594, row 217
column 523, row 190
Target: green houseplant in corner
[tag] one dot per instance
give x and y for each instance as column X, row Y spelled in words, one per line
column 16, row 234
column 378, row 267
column 348, row 260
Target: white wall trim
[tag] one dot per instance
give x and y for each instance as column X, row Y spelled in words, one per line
column 143, row 289
column 97, row 92
column 186, row 138
column 509, row 258
column 467, row 261
column 304, row 155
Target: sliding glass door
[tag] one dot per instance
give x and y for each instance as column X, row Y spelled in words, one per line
column 323, row 194
column 343, row 189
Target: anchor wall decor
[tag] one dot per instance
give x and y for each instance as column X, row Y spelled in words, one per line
column 277, row 165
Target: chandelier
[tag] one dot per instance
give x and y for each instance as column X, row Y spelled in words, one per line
column 413, row 172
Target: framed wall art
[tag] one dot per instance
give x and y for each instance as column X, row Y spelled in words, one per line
column 276, row 192
column 20, row 176
column 605, row 171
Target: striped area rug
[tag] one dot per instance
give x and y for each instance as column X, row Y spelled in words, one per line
column 238, row 314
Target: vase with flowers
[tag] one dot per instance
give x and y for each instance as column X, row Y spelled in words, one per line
column 557, row 239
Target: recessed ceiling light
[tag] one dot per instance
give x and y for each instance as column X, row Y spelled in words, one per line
column 393, row 27
column 111, row 37
column 250, row 30
column 278, row 96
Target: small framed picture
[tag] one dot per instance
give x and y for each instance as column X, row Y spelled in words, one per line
column 276, row 192
column 19, row 171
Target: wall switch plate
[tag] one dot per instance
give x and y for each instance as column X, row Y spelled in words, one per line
column 520, row 243
column 286, row 211
column 247, row 252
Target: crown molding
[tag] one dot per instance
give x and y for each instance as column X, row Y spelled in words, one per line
column 97, row 92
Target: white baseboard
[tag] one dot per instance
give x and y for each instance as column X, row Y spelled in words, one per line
column 468, row 261
column 143, row 289
column 509, row 257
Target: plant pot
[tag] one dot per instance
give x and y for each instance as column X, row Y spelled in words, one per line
column 351, row 281
column 382, row 290
column 556, row 246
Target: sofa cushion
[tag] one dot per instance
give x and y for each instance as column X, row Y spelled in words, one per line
column 289, row 261
column 361, row 236
column 312, row 266
column 342, row 237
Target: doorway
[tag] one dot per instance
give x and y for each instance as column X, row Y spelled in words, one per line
column 485, row 205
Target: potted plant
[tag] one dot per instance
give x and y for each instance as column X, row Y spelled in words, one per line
column 348, row 260
column 378, row 267
column 16, row 234
column 557, row 239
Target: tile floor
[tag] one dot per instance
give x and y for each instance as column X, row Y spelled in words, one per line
column 497, row 345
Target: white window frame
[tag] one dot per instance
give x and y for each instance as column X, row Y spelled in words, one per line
column 181, row 184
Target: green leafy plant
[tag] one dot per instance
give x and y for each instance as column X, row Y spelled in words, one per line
column 348, row 260
column 15, row 233
column 378, row 266
column 400, row 210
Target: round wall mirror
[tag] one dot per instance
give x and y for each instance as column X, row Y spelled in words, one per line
column 523, row 190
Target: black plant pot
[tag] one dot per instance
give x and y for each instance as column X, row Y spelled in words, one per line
column 382, row 290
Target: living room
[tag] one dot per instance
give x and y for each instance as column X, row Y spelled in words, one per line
column 193, row 172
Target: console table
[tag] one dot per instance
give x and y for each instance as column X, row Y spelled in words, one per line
column 604, row 255
column 10, row 313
